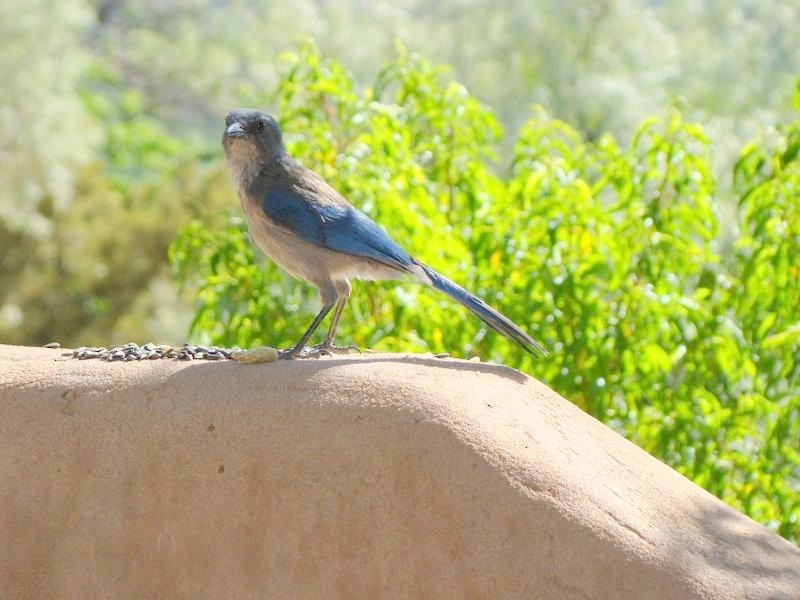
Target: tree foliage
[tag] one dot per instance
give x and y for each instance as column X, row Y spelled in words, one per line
column 604, row 252
column 677, row 328
column 124, row 99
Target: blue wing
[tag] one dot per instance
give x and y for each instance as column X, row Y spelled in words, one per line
column 338, row 227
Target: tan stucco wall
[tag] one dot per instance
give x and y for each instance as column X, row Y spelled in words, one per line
column 378, row 476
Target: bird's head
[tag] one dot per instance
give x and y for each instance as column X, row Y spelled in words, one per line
column 251, row 138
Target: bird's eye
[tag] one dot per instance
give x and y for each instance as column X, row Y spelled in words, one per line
column 260, row 125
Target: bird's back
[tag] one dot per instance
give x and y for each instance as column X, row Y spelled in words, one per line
column 289, row 205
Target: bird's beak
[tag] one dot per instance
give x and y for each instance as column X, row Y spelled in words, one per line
column 235, row 130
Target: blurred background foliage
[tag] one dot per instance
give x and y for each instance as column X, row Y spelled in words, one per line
column 657, row 257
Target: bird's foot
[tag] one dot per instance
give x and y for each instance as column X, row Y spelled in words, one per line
column 305, row 352
column 328, row 348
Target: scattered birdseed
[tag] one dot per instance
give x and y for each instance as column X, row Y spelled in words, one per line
column 150, row 351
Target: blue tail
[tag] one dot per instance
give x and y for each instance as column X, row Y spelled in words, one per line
column 483, row 311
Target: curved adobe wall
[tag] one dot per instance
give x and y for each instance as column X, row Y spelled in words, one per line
column 370, row 476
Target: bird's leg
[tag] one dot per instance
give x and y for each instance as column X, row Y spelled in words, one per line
column 327, row 346
column 300, row 350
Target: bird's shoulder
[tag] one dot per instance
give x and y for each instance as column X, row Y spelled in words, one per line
column 305, row 186
column 304, row 204
column 297, row 199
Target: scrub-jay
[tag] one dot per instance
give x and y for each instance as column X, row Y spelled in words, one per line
column 312, row 232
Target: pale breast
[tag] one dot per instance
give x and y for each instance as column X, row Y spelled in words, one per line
column 305, row 260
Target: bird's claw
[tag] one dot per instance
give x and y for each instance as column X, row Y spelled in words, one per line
column 323, row 349
column 305, row 352
column 330, row 349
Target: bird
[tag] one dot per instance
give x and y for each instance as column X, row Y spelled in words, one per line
column 308, row 229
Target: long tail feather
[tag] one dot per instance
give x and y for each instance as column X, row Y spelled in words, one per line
column 483, row 311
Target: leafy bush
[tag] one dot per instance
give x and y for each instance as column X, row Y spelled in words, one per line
column 607, row 254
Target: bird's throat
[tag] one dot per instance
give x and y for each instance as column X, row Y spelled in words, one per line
column 244, row 161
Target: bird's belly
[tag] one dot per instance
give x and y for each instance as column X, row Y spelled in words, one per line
column 289, row 252
column 307, row 261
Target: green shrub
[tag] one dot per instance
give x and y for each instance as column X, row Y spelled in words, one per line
column 607, row 254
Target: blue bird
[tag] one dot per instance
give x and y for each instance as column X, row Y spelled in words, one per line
column 312, row 232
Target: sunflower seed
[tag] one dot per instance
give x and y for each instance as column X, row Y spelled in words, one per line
column 131, row 351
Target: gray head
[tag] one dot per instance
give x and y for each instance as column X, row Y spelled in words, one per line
column 252, row 127
column 251, row 139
